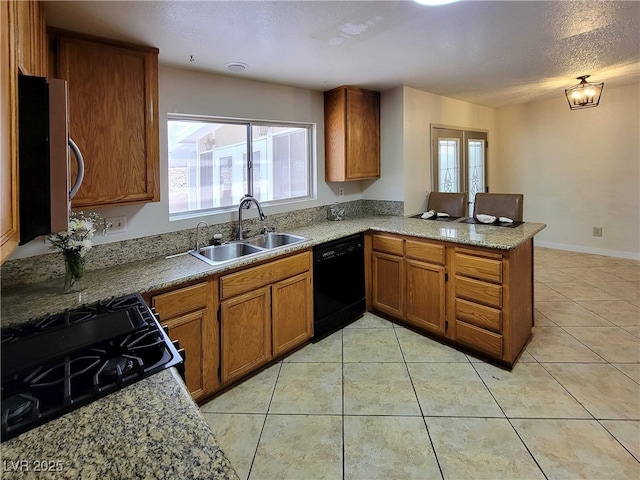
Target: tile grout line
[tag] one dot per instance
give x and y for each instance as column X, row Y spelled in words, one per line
column 424, row 420
column 343, row 411
column 255, row 453
column 606, row 362
column 561, row 385
column 535, row 460
column 616, row 438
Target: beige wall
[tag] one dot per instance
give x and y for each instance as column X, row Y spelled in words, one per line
column 390, row 185
column 406, row 118
column 577, row 169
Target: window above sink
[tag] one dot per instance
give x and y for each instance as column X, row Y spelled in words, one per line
column 214, row 161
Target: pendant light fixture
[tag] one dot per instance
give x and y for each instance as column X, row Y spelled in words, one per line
column 585, row 94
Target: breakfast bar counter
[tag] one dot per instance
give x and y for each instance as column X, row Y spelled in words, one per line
column 21, row 303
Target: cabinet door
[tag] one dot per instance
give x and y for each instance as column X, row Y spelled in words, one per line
column 246, row 333
column 190, row 315
column 292, row 313
column 388, row 283
column 113, row 117
column 352, row 134
column 425, row 307
column 188, row 329
column 363, row 134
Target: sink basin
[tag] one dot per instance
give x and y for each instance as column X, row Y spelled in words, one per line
column 224, row 253
column 273, row 240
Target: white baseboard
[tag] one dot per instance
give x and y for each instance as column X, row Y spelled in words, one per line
column 583, row 249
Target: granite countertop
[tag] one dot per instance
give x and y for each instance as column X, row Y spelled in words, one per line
column 152, row 430
column 22, row 303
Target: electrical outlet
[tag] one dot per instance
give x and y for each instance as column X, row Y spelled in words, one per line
column 341, row 192
column 597, row 231
column 118, row 225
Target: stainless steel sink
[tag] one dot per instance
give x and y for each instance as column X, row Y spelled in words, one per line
column 216, row 254
column 223, row 253
column 274, row 240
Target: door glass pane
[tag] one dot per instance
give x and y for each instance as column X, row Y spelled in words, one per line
column 448, row 165
column 476, row 165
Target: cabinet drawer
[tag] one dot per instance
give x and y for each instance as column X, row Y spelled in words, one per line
column 479, row 315
column 478, row 338
column 425, row 251
column 481, row 292
column 479, row 267
column 387, row 244
column 181, row 301
column 256, row 277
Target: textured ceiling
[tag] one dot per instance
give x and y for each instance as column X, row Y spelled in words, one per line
column 489, row 53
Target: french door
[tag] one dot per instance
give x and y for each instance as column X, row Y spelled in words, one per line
column 459, row 162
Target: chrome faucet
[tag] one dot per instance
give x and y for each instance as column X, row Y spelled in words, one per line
column 197, row 246
column 245, row 202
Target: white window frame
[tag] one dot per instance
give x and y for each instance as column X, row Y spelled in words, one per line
column 249, row 123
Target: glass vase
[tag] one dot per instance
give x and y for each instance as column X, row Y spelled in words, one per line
column 74, row 270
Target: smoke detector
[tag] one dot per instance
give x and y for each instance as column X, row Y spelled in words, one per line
column 236, row 67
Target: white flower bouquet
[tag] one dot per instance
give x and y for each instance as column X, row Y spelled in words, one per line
column 74, row 243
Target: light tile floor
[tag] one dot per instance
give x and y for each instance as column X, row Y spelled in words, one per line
column 376, row 400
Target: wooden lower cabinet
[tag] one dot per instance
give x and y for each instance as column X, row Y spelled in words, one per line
column 189, row 315
column 408, row 281
column 493, row 304
column 265, row 312
column 387, row 283
column 474, row 297
column 246, row 333
column 235, row 323
column 425, row 303
column 292, row 313
column 187, row 330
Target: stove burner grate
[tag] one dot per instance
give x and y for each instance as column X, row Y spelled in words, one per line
column 17, row 408
column 61, row 362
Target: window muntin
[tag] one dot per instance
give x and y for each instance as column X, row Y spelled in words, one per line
column 210, row 167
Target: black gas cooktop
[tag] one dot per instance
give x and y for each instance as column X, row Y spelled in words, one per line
column 60, row 362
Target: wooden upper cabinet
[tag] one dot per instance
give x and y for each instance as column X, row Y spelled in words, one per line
column 113, row 117
column 31, row 38
column 23, row 50
column 352, row 134
column 9, row 233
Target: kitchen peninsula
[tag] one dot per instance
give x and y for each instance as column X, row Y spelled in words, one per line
column 484, row 279
column 152, row 274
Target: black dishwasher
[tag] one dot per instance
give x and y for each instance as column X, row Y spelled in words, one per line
column 338, row 284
